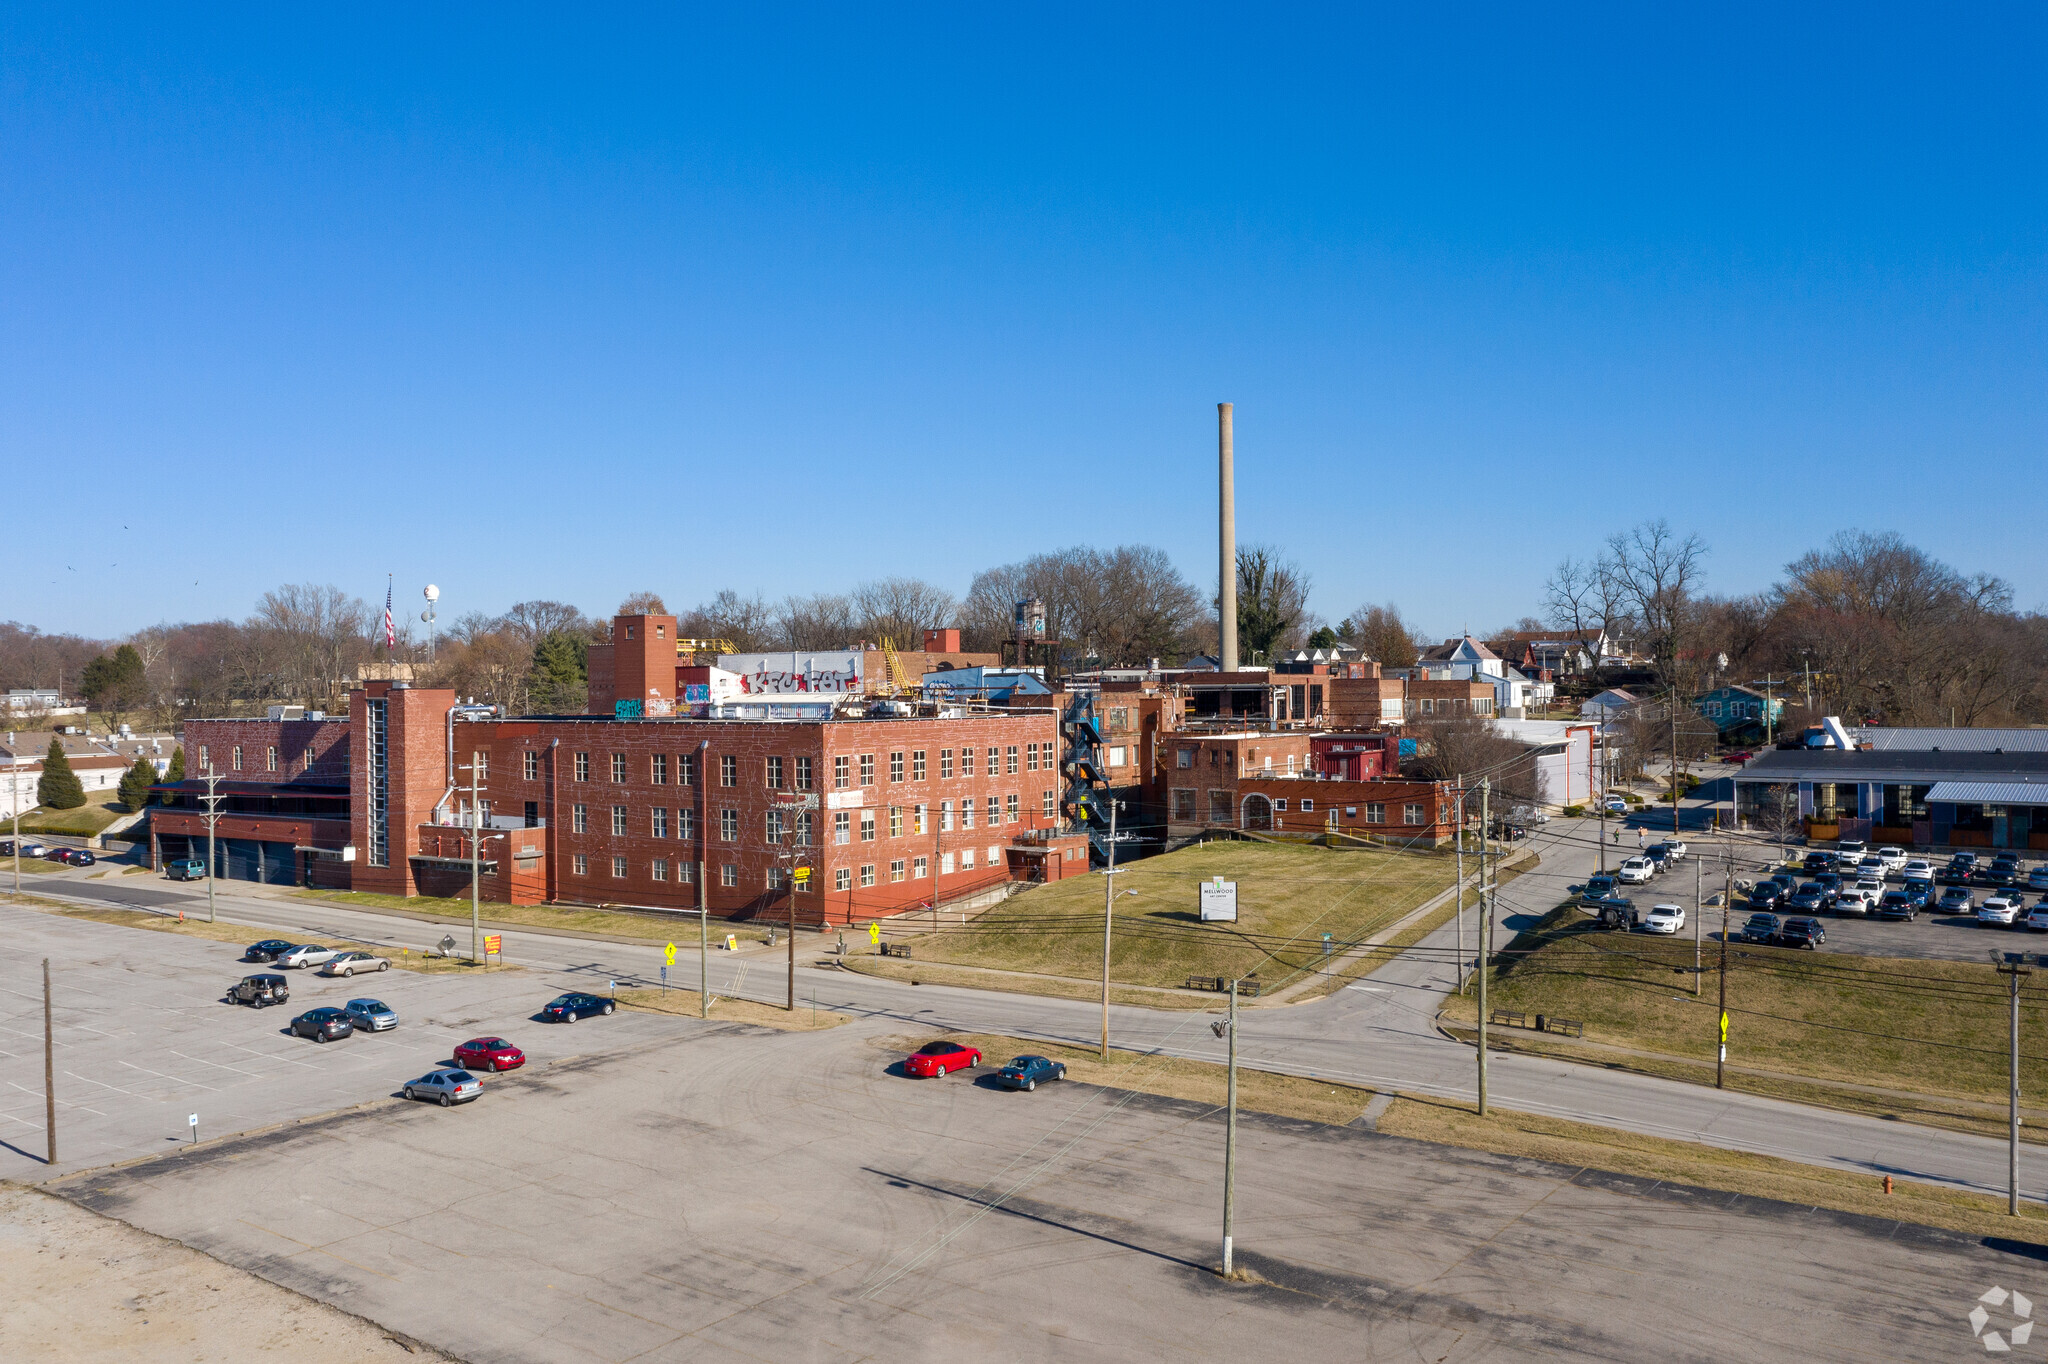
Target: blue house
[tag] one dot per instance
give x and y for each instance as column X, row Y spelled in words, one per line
column 1739, row 713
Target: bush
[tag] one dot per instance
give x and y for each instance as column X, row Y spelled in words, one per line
column 58, row 788
column 1574, row 812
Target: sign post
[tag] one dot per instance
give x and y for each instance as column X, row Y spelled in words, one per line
column 494, row 946
column 1219, row 901
column 193, row 1123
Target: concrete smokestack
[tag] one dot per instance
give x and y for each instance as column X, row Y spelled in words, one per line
column 1226, row 543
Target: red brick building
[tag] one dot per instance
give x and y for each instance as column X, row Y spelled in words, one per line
column 1400, row 811
column 890, row 811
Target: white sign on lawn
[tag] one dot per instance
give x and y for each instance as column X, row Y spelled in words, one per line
column 1219, row 901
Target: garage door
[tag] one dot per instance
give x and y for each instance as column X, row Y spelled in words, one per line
column 280, row 864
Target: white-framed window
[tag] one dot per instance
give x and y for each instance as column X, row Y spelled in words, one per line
column 1280, row 803
column 867, row 769
column 896, row 870
column 917, row 819
column 270, row 758
column 686, row 769
column 945, row 763
column 1375, row 812
column 1411, row 813
column 619, row 768
column 618, row 866
column 203, row 758
column 1010, row 808
column 967, row 762
column 1031, row 757
column 842, row 827
column 657, row 769
column 660, row 829
column 896, row 765
column 995, row 854
column 919, row 866
column 729, row 874
column 582, row 767
column 841, row 773
column 803, row 774
column 803, row 828
column 867, row 826
column 729, row 826
column 867, row 874
column 1116, row 755
column 729, row 770
column 945, row 864
column 237, row 756
column 529, row 765
column 580, row 864
column 917, row 764
column 774, row 773
column 657, row 870
column 842, row 879
column 995, row 811
column 967, row 813
column 579, row 819
column 1051, row 803
column 945, row 816
column 1010, row 760
column 618, row 821
column 686, row 822
column 686, row 873
column 895, row 821
column 773, row 829
column 967, row 859
column 1308, row 805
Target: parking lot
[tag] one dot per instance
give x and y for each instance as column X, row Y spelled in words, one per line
column 728, row 1193
column 143, row 1040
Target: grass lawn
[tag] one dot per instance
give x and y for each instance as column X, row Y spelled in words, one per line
column 1935, row 1028
column 724, row 1010
column 242, row 935
column 30, row 866
column 599, row 921
column 1287, row 897
column 1571, row 1144
column 84, row 821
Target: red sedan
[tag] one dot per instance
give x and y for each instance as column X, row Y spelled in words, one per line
column 937, row 1058
column 489, row 1053
column 1736, row 757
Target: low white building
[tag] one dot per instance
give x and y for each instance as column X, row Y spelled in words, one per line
column 1569, row 754
column 99, row 769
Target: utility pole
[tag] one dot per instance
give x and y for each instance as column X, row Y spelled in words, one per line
column 1108, row 915
column 1674, row 762
column 1229, row 1027
column 1460, row 916
column 212, row 819
column 1600, row 742
column 2012, row 969
column 14, row 790
column 50, row 1072
column 476, row 843
column 1699, row 919
column 703, row 945
column 1485, row 930
column 1727, row 894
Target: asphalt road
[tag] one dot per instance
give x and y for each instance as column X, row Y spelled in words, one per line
column 1376, row 1033
column 716, row 1192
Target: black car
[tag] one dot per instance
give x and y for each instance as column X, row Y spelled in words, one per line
column 1994, row 875
column 1957, row 872
column 1802, row 933
column 1808, row 899
column 1830, row 884
column 1766, row 894
column 1660, row 857
column 1897, row 904
column 262, row 991
column 1760, row 928
column 266, row 950
column 1024, row 1072
column 71, row 857
column 568, row 1008
column 1957, row 900
column 323, row 1024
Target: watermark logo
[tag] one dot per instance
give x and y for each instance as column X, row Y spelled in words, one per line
column 2014, row 1305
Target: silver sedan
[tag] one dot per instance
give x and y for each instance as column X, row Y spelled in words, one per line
column 348, row 963
column 307, row 954
column 370, row 1015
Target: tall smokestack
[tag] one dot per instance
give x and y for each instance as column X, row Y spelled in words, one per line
column 1226, row 545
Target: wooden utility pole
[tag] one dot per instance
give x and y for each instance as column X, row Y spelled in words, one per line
column 1699, row 919
column 50, row 1069
column 1108, row 916
column 703, row 945
column 1460, row 915
column 1485, row 930
column 2012, row 969
column 1727, row 896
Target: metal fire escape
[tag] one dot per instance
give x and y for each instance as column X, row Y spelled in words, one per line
column 1086, row 781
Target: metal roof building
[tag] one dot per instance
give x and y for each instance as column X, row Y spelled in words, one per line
column 1978, row 792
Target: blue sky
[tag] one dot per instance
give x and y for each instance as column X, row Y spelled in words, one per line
column 543, row 306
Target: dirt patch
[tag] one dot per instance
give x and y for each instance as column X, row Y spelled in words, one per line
column 688, row 1003
column 82, row 1287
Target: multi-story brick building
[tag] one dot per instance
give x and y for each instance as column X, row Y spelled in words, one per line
column 1422, row 812
column 890, row 806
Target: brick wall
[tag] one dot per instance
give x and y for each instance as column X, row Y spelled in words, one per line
column 270, row 750
column 1366, row 808
column 417, row 775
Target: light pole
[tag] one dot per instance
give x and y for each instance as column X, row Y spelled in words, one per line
column 1108, row 916
column 432, row 594
column 2012, row 969
column 213, row 800
column 1228, row 1027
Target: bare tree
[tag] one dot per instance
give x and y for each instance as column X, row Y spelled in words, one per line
column 748, row 622
column 533, row 621
column 900, row 610
column 1448, row 746
column 825, row 621
column 1381, row 634
column 1652, row 571
column 1125, row 605
column 1578, row 598
column 305, row 636
column 642, row 604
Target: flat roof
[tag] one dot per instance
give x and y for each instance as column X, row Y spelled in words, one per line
column 1991, row 792
column 1952, row 740
column 1900, row 765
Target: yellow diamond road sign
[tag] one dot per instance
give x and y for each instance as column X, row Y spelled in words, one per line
column 874, row 931
column 669, row 954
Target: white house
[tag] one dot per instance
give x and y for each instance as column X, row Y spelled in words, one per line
column 1611, row 704
column 1569, row 754
column 1466, row 659
column 98, row 769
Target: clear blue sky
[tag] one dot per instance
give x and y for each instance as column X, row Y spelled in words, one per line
column 543, row 306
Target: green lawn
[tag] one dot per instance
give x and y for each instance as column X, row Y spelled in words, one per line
column 1928, row 1027
column 600, row 921
column 1287, row 896
column 86, row 820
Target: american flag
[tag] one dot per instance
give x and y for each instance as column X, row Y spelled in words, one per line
column 390, row 633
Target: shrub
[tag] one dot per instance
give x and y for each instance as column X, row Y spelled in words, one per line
column 58, row 788
column 1574, row 812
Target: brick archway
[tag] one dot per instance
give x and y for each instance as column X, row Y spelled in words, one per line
column 1257, row 813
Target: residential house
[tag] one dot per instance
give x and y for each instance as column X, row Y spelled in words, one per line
column 1467, row 659
column 1609, row 705
column 1739, row 714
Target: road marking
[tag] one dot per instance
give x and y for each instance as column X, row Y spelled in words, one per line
column 1372, row 989
column 176, row 1079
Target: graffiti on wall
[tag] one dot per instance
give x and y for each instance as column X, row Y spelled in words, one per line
column 789, row 674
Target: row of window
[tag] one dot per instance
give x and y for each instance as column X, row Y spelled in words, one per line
column 901, row 869
column 913, row 819
column 269, row 758
column 779, row 774
column 1220, row 808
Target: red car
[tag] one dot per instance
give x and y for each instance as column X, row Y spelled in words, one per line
column 1736, row 757
column 489, row 1053
column 937, row 1058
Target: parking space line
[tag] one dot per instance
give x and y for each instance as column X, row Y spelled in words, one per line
column 247, row 1074
column 173, row 1078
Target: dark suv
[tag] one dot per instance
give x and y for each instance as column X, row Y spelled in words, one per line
column 1897, row 904
column 1802, row 933
column 260, row 990
column 1760, row 928
column 323, row 1025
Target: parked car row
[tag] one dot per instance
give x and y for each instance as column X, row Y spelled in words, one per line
column 1799, row 931
column 332, row 961
column 936, row 1059
column 71, row 857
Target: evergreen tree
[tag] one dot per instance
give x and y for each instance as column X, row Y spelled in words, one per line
column 136, row 783
column 559, row 681
column 114, row 682
column 176, row 772
column 59, row 788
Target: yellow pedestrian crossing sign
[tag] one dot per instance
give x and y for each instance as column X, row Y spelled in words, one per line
column 669, row 954
column 802, row 874
column 874, row 932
